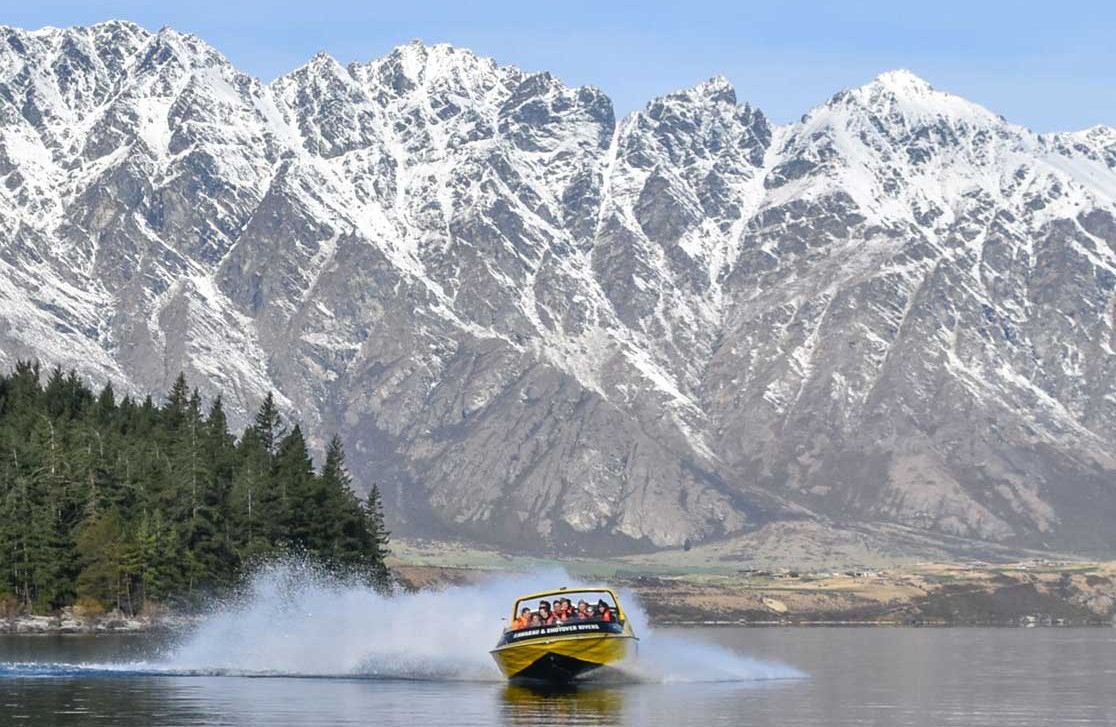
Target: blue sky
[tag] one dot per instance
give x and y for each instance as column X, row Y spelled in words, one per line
column 1049, row 66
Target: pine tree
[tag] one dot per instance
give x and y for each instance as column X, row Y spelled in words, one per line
column 378, row 534
column 345, row 541
column 106, row 406
column 102, row 551
column 293, row 506
column 152, row 560
column 178, row 401
column 215, row 548
column 35, row 560
column 269, row 424
column 357, row 538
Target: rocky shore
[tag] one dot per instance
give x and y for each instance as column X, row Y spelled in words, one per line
column 69, row 622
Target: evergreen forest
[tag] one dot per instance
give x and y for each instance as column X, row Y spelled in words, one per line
column 111, row 502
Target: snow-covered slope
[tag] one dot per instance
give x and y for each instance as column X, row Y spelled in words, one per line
column 535, row 323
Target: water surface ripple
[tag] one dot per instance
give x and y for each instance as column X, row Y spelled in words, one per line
column 856, row 677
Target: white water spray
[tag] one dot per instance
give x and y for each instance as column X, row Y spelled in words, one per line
column 295, row 621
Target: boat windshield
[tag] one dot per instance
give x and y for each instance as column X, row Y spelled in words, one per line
column 565, row 607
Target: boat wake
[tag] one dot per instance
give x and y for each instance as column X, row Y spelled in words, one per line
column 296, row 621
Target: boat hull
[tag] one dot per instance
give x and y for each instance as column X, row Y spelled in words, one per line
column 562, row 659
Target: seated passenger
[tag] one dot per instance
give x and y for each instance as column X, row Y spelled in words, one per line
column 583, row 612
column 604, row 613
column 523, row 620
column 535, row 620
column 545, row 615
column 563, row 610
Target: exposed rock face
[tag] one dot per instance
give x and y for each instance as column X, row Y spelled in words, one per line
column 535, row 324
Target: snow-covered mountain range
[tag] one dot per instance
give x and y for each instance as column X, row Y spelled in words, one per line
column 534, row 323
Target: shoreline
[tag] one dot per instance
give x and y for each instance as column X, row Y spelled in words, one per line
column 65, row 624
column 935, row 595
column 30, row 628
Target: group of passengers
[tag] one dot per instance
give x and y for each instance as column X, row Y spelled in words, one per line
column 562, row 613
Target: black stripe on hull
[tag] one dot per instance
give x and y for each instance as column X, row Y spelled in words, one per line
column 555, row 669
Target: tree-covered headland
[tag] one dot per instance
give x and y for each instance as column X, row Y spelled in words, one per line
column 119, row 503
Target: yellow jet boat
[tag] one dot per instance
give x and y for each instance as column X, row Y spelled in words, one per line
column 546, row 643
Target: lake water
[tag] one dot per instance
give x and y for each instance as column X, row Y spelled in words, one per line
column 711, row 676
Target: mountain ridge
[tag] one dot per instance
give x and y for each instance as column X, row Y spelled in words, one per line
column 533, row 320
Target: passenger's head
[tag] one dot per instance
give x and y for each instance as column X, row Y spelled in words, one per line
column 525, row 612
column 535, row 620
column 582, row 605
column 544, row 606
column 601, row 606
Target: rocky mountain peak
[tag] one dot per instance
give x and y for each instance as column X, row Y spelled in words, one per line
column 1101, row 132
column 900, row 100
column 321, row 71
column 172, row 50
column 716, row 89
column 896, row 147
column 902, row 82
column 438, row 68
column 117, row 26
column 321, row 62
column 1099, row 139
column 698, row 121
